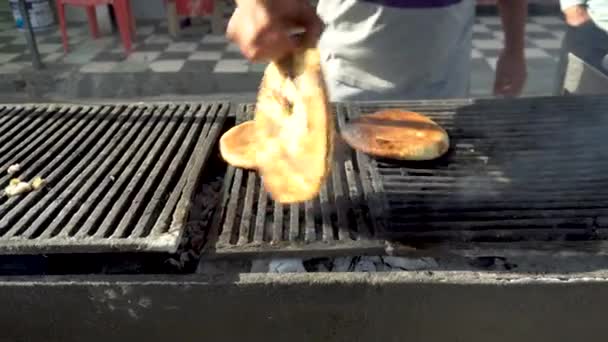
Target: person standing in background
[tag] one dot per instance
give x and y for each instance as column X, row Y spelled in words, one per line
column 587, row 33
column 382, row 50
column 385, row 49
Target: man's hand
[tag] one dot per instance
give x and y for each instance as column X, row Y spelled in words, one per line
column 511, row 74
column 576, row 15
column 261, row 27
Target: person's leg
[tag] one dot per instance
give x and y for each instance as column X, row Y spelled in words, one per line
column 589, row 43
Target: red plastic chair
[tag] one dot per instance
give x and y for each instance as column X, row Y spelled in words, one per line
column 122, row 10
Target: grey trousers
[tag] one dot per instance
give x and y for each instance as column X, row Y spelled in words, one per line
column 589, row 43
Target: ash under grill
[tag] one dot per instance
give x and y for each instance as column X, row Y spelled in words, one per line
column 120, row 177
column 339, row 221
column 527, row 169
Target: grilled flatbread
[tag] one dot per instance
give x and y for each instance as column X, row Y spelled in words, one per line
column 237, row 145
column 294, row 128
column 397, row 134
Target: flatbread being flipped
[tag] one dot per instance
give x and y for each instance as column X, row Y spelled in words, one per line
column 237, row 145
column 397, row 134
column 294, row 128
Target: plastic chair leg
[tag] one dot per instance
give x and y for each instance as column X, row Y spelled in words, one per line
column 92, row 17
column 124, row 23
column 62, row 25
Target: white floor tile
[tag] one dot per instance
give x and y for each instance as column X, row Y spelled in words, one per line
column 158, row 39
column 167, row 65
column 476, row 54
column 214, row 39
column 490, row 20
column 11, row 68
column 143, row 56
column 98, row 67
column 19, row 41
column 536, row 53
column 48, row 48
column 548, row 20
column 7, row 57
column 205, row 56
column 10, row 33
column 492, row 62
column 52, row 57
column 233, row 48
column 232, row 66
column 548, row 43
column 487, row 44
column 532, row 27
column 481, row 28
column 182, row 47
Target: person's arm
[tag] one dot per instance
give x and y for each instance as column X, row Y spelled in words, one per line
column 261, row 28
column 511, row 65
column 513, row 14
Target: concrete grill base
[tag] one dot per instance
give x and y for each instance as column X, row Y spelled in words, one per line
column 405, row 306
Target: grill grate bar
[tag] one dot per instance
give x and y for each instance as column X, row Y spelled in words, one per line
column 317, row 227
column 518, row 169
column 182, row 200
column 151, row 177
column 232, row 206
column 328, row 233
column 24, row 150
column 87, row 219
column 68, row 193
column 84, row 199
column 112, row 170
column 70, row 144
column 18, row 120
column 45, row 205
column 146, row 156
column 309, row 217
column 260, row 215
column 245, row 229
column 294, row 222
column 341, row 204
column 278, row 223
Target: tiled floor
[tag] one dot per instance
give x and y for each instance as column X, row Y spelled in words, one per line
column 212, row 56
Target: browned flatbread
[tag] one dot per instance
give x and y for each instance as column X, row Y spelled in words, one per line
column 237, row 145
column 397, row 134
column 294, row 128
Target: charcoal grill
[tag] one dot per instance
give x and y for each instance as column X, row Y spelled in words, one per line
column 120, row 176
column 532, row 170
column 338, row 221
column 519, row 170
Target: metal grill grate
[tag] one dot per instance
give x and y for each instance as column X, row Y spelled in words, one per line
column 339, row 221
column 527, row 169
column 120, row 177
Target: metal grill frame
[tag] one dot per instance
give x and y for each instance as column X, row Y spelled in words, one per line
column 464, row 244
column 513, row 240
column 241, row 188
column 165, row 218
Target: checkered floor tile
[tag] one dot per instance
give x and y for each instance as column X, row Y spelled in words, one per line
column 197, row 51
column 156, row 51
